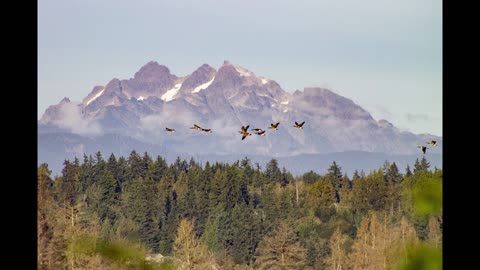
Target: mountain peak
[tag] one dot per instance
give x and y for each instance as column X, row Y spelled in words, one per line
column 65, row 100
column 152, row 71
column 205, row 67
column 199, row 79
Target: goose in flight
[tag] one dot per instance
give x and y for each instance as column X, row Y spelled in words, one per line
column 261, row 132
column 170, row 129
column 274, row 126
column 245, row 134
column 432, row 143
column 196, row 127
column 244, row 129
column 207, row 130
column 424, row 149
column 297, row 125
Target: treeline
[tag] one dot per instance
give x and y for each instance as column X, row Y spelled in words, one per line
column 108, row 214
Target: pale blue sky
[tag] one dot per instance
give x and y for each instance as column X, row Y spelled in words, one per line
column 384, row 55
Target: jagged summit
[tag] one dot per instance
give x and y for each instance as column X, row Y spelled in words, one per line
column 152, row 71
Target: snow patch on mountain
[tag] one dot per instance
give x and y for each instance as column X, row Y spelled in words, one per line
column 96, row 96
column 243, row 72
column 141, row 98
column 203, row 86
column 171, row 93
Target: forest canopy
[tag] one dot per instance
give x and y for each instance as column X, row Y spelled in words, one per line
column 137, row 212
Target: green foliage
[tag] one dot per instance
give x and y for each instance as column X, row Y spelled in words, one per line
column 310, row 177
column 421, row 257
column 428, row 197
column 84, row 245
column 210, row 236
column 370, row 193
column 122, row 252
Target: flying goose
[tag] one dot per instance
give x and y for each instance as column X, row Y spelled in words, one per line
column 245, row 134
column 196, row 127
column 432, row 143
column 424, row 149
column 207, row 130
column 297, row 125
column 274, row 126
column 261, row 132
column 244, row 129
column 170, row 129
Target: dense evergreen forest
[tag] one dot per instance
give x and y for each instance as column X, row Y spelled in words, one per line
column 113, row 213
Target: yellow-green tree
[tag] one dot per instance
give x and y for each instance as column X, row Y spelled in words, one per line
column 320, row 194
column 434, row 233
column 337, row 259
column 281, row 251
column 189, row 250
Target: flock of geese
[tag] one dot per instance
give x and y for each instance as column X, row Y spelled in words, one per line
column 424, row 148
column 243, row 129
column 261, row 132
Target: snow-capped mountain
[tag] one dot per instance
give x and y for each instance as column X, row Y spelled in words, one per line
column 224, row 100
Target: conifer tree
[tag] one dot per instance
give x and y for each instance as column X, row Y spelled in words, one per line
column 392, row 175
column 345, row 191
column 335, row 176
column 310, row 177
column 417, row 167
column 272, row 172
column 370, row 193
column 210, row 236
column 408, row 172
column 134, row 167
column 424, row 164
column 140, row 210
column 112, row 165
column 69, row 184
column 109, row 198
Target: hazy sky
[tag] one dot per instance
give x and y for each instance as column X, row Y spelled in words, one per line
column 384, row 55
